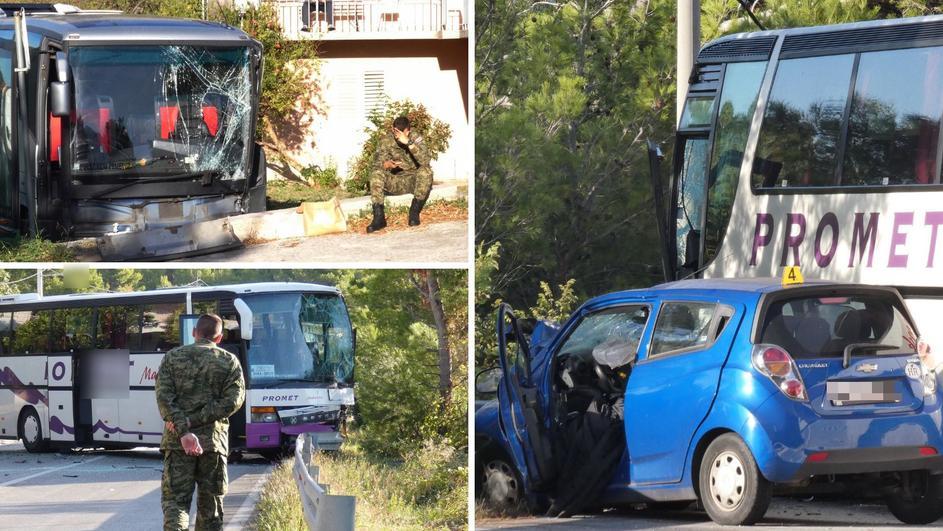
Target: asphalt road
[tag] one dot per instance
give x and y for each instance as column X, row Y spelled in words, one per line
column 791, row 513
column 435, row 242
column 114, row 490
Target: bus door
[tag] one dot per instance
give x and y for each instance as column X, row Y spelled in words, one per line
column 103, row 393
column 62, row 413
column 9, row 179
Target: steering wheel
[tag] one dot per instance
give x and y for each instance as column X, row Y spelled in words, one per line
column 603, row 379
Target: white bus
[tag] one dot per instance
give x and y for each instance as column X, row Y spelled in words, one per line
column 79, row 370
column 818, row 147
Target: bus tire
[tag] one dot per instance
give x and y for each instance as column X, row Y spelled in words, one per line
column 921, row 503
column 732, row 489
column 31, row 432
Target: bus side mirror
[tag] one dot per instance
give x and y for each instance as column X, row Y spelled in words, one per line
column 60, row 99
column 187, row 324
column 692, row 248
column 245, row 319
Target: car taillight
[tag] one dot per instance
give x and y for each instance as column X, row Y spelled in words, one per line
column 780, row 368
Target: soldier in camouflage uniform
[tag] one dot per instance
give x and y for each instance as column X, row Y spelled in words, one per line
column 400, row 166
column 198, row 387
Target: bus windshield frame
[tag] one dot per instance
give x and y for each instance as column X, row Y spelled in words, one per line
column 301, row 339
column 194, row 120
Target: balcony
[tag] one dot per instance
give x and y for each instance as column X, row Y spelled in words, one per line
column 372, row 19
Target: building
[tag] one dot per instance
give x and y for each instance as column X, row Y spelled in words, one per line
column 374, row 51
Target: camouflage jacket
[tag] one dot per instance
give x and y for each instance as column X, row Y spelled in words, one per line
column 412, row 157
column 198, row 387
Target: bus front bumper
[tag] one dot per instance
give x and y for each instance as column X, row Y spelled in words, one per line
column 274, row 435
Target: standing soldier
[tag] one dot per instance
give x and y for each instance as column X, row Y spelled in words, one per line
column 198, row 387
column 400, row 166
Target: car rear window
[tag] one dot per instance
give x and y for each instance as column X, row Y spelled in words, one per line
column 822, row 326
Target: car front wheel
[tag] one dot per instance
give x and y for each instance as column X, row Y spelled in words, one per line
column 732, row 489
column 919, row 500
column 501, row 487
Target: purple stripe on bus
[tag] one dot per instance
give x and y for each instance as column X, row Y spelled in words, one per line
column 32, row 396
column 107, row 429
column 56, row 425
column 256, row 430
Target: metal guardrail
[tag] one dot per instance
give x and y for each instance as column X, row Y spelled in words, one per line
column 322, row 511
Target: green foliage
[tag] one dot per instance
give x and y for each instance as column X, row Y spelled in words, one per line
column 435, row 133
column 555, row 307
column 289, row 194
column 321, row 177
column 26, row 249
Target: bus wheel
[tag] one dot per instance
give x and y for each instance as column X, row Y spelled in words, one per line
column 732, row 489
column 31, row 432
column 501, row 487
column 918, row 500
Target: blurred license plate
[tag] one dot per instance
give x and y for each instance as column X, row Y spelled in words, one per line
column 855, row 393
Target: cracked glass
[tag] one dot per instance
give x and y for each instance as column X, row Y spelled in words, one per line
column 160, row 112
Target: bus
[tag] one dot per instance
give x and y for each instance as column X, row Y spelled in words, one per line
column 137, row 130
column 815, row 147
column 79, row 370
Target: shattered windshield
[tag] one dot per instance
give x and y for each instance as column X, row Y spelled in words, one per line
column 300, row 337
column 159, row 111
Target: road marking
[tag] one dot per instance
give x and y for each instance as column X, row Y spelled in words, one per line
column 50, row 471
column 241, row 519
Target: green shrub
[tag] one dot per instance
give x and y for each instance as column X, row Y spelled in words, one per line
column 435, row 134
column 321, row 177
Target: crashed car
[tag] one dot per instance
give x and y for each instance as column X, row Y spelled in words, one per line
column 715, row 391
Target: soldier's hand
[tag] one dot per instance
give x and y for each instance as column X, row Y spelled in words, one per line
column 400, row 136
column 170, row 426
column 191, row 444
column 390, row 164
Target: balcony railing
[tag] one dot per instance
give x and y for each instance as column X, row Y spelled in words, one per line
column 355, row 19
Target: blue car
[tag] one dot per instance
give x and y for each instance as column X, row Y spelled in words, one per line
column 713, row 391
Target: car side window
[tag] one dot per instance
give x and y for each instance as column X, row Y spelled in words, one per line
column 683, row 326
column 612, row 334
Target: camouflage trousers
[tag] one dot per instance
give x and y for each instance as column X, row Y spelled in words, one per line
column 417, row 182
column 181, row 473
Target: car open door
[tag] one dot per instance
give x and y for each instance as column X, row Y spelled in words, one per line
column 521, row 405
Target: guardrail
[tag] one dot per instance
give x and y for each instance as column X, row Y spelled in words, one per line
column 322, row 511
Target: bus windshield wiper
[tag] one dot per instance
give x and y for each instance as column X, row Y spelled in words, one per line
column 205, row 176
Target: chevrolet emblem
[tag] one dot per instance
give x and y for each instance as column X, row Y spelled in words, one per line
column 867, row 367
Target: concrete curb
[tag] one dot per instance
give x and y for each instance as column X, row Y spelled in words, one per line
column 285, row 223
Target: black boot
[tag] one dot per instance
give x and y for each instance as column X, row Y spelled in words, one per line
column 379, row 219
column 414, row 210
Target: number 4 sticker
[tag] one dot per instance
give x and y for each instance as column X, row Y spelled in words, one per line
column 792, row 275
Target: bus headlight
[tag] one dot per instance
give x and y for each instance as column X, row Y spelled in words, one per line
column 263, row 414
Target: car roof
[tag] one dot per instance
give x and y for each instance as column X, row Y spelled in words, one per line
column 744, row 288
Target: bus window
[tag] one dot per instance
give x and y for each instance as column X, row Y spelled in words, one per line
column 160, row 327
column 72, row 329
column 31, row 332
column 6, row 333
column 119, row 327
column 697, row 112
column 894, row 124
column 735, row 112
column 798, row 143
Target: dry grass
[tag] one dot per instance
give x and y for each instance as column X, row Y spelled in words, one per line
column 279, row 508
column 397, row 218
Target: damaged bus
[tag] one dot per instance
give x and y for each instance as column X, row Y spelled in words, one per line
column 79, row 370
column 138, row 130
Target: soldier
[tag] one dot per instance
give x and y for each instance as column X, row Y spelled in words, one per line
column 198, row 387
column 400, row 166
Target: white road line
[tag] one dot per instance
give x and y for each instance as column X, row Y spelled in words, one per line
column 50, row 471
column 240, row 520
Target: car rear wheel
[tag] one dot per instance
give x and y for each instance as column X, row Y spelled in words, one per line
column 919, row 500
column 732, row 490
column 501, row 486
column 31, row 432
